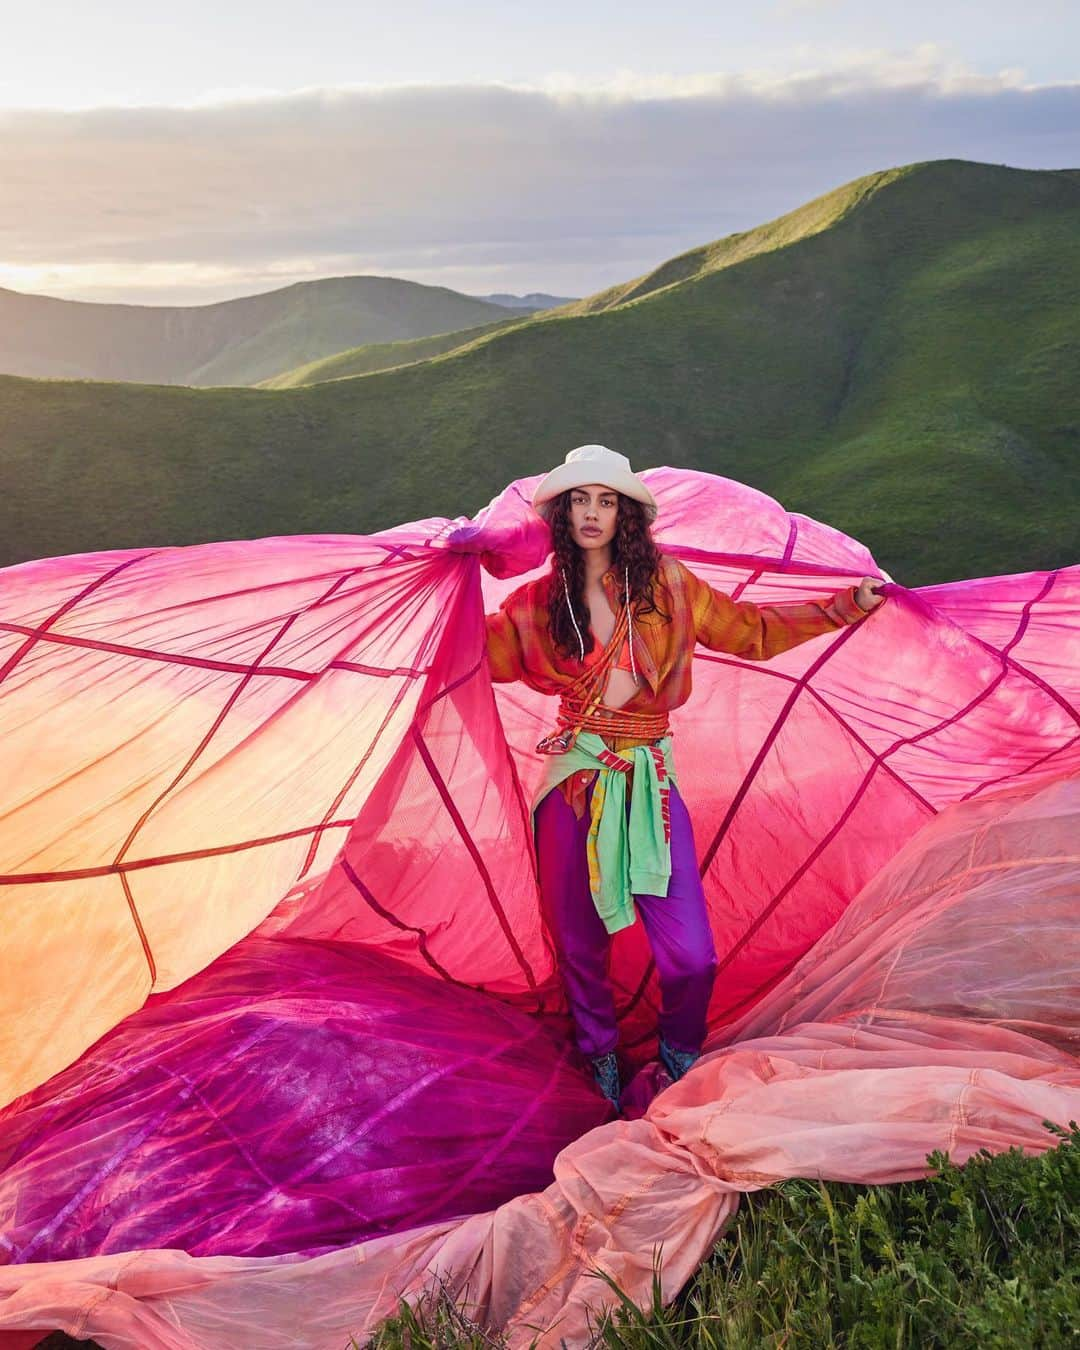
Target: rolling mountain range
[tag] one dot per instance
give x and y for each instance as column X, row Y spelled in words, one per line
column 234, row 342
column 899, row 357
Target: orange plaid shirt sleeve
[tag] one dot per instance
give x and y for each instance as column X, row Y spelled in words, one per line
column 760, row 632
column 519, row 645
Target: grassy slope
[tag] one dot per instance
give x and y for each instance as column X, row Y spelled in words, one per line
column 904, row 368
column 376, row 356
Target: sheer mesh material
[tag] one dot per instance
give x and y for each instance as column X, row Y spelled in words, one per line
column 281, row 1031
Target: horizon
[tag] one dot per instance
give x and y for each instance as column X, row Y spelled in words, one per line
column 248, row 295
column 355, row 276
column 185, row 163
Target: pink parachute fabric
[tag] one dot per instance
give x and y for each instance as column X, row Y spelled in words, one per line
column 281, row 1033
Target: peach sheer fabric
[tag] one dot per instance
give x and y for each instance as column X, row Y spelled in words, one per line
column 290, row 745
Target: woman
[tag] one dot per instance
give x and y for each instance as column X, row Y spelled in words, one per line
column 611, row 629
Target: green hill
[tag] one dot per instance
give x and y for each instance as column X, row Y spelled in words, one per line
column 899, row 357
column 380, row 356
column 235, row 342
column 797, row 225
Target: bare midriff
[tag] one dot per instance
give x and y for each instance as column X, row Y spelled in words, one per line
column 622, row 682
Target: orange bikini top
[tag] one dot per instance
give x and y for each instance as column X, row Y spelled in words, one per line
column 622, row 661
column 580, row 707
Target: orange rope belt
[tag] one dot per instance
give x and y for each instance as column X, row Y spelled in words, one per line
column 580, row 707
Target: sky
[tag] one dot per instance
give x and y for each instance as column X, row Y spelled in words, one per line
column 210, row 151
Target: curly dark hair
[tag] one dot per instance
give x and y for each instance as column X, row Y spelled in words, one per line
column 632, row 547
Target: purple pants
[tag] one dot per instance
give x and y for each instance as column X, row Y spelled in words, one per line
column 676, row 925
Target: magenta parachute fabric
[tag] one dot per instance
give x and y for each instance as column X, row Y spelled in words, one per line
column 282, row 1033
column 291, row 1097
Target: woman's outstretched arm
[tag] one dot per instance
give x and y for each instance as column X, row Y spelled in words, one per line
column 760, row 632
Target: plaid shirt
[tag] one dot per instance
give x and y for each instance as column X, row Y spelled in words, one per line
column 519, row 646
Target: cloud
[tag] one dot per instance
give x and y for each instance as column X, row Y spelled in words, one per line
column 568, row 186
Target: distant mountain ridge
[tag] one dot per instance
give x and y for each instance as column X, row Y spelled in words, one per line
column 232, row 342
column 534, row 300
column 898, row 357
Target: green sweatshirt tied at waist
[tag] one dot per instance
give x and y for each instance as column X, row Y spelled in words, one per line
column 627, row 856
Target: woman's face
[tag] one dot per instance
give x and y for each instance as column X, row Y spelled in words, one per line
column 594, row 514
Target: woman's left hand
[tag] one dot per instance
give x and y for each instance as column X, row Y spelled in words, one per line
column 866, row 598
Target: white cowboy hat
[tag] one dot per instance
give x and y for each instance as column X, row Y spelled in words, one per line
column 593, row 464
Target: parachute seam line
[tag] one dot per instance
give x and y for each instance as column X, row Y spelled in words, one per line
column 68, row 605
column 402, row 926
column 886, row 977
column 316, row 839
column 163, row 859
column 752, row 561
column 827, row 706
column 976, row 837
column 242, row 1153
column 793, row 531
column 908, row 787
column 746, row 581
column 124, row 882
column 530, row 838
column 803, row 681
column 126, row 887
column 210, row 663
column 393, row 551
column 411, row 672
column 774, row 731
column 222, row 714
column 461, row 679
column 1021, row 669
column 1027, row 768
column 783, row 675
column 822, row 844
column 474, row 853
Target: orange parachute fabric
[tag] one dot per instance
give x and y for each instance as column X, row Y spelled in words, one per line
column 264, row 816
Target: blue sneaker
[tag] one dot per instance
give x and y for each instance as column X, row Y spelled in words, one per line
column 676, row 1061
column 606, row 1072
